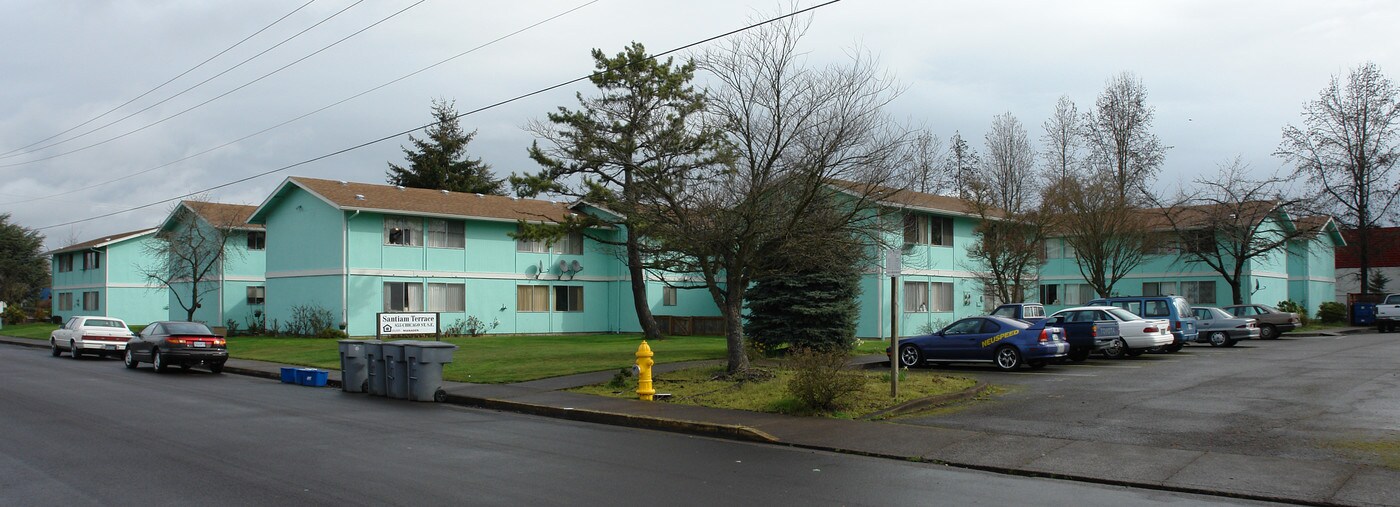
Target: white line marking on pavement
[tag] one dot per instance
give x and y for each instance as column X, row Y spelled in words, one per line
column 1057, row 374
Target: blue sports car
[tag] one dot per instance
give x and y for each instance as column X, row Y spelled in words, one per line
column 1007, row 343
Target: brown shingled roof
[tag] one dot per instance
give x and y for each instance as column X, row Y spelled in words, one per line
column 1189, row 217
column 369, row 197
column 910, row 198
column 101, row 241
column 234, row 216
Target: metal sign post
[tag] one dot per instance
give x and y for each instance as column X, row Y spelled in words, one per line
column 893, row 267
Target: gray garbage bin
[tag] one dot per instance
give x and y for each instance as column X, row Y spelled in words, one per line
column 395, row 370
column 425, row 360
column 374, row 367
column 354, row 366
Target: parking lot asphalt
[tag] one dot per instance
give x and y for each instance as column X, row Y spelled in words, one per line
column 1306, row 398
column 1033, row 429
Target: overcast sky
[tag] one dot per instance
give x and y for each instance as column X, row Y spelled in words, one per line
column 1224, row 77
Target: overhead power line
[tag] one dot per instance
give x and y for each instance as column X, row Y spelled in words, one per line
column 162, row 85
column 197, row 85
column 318, row 110
column 421, row 127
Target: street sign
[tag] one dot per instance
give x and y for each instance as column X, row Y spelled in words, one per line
column 893, row 256
column 408, row 323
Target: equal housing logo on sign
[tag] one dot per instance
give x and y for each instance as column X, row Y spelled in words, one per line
column 408, row 323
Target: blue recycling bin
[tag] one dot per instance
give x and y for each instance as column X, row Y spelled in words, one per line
column 312, row 377
column 1363, row 314
column 289, row 375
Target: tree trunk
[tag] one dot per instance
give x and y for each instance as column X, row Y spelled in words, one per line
column 650, row 330
column 1235, row 292
column 734, row 334
column 194, row 301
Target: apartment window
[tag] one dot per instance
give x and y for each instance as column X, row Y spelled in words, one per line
column 402, row 231
column 65, row 301
column 916, row 296
column 1070, row 252
column 1199, row 293
column 257, row 240
column 532, row 298
column 403, row 297
column 256, row 295
column 90, row 301
column 446, row 233
column 1050, row 294
column 1054, row 248
column 1078, row 293
column 1198, row 242
column 92, row 260
column 570, row 244
column 530, row 245
column 668, row 296
column 447, row 297
column 65, row 262
column 928, row 230
column 942, row 296
column 1158, row 288
column 568, row 298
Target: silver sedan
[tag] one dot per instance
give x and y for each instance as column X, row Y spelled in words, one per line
column 1221, row 329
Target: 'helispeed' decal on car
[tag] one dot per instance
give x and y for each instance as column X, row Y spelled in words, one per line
column 997, row 338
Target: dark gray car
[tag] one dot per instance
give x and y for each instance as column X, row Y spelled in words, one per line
column 1271, row 321
column 1220, row 329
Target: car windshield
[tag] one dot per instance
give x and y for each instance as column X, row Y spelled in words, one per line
column 104, row 323
column 186, row 328
column 1222, row 314
column 1123, row 314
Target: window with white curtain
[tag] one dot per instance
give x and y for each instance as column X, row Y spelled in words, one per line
column 447, row 297
column 1199, row 293
column 532, row 298
column 942, row 296
column 916, row 297
column 446, row 233
column 403, row 231
column 403, row 297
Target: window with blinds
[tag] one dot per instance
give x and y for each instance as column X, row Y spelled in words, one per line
column 532, row 298
column 446, row 233
column 447, row 297
column 403, row 231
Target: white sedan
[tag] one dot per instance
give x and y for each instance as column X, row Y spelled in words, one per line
column 103, row 336
column 1135, row 334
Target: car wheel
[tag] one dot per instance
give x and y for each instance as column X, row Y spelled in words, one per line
column 74, row 351
column 1220, row 339
column 1008, row 358
column 1174, row 348
column 216, row 367
column 1268, row 332
column 1116, row 349
column 53, row 348
column 158, row 361
column 910, row 356
column 130, row 360
column 1080, row 355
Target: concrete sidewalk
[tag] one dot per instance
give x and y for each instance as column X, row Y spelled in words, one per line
column 1266, row 478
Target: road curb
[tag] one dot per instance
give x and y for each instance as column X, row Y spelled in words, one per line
column 729, row 431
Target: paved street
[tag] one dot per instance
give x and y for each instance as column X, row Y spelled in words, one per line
column 1292, row 397
column 91, row 432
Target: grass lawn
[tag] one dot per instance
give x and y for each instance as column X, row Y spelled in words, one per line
column 36, row 331
column 1320, row 326
column 500, row 359
column 695, row 386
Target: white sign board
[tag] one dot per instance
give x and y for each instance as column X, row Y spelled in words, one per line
column 408, row 323
column 893, row 256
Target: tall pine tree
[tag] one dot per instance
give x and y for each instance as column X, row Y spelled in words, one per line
column 440, row 161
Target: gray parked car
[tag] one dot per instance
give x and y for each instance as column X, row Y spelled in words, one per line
column 1221, row 329
column 1271, row 321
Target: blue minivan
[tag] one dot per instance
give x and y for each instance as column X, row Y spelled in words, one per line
column 1173, row 308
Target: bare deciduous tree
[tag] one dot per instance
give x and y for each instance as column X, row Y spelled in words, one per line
column 1107, row 233
column 961, row 163
column 1348, row 147
column 1062, row 140
column 1118, row 133
column 1009, row 234
column 796, row 132
column 1228, row 221
column 928, row 174
column 189, row 250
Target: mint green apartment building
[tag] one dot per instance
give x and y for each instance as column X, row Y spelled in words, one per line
column 358, row 249
column 104, row 277
column 1301, row 272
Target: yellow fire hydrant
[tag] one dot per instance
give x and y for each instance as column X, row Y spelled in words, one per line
column 644, row 362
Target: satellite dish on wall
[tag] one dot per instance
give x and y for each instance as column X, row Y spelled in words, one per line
column 563, row 266
column 576, row 266
column 539, row 269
